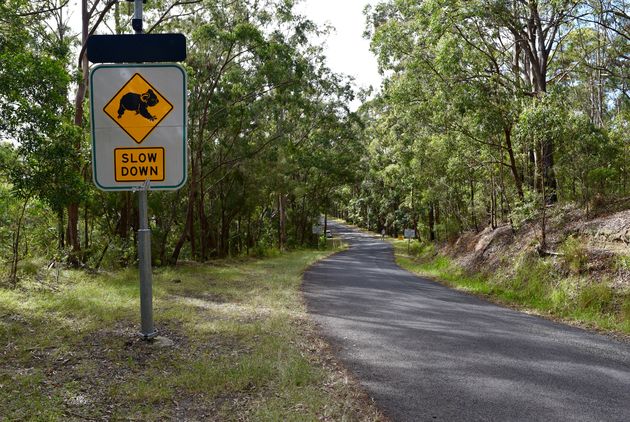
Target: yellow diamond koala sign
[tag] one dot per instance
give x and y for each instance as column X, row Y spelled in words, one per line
column 138, row 108
column 138, row 117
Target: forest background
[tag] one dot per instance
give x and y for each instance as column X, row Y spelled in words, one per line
column 491, row 113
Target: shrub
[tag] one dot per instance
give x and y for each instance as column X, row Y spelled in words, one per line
column 595, row 298
column 575, row 258
column 532, row 281
column 625, row 309
column 264, row 251
column 622, row 263
column 415, row 249
column 30, row 266
column 423, row 250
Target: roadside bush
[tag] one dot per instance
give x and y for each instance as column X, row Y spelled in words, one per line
column 29, row 267
column 559, row 298
column 532, row 282
column 415, row 248
column 622, row 264
column 264, row 251
column 575, row 258
column 322, row 242
column 422, row 250
column 595, row 298
column 625, row 310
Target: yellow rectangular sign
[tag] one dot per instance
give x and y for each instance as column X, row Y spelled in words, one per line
column 139, row 164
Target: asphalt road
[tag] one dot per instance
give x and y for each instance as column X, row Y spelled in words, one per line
column 425, row 352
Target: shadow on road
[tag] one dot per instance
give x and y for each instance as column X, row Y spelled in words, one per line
column 426, row 352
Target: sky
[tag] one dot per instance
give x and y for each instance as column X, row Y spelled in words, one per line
column 346, row 49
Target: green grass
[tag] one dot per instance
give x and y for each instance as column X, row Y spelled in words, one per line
column 533, row 283
column 244, row 347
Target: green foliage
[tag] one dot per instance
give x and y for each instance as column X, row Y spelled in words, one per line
column 423, row 250
column 527, row 209
column 622, row 263
column 469, row 129
column 595, row 298
column 268, row 122
column 625, row 310
column 265, row 251
column 575, row 257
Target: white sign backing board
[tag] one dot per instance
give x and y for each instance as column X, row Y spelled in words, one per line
column 410, row 233
column 138, row 115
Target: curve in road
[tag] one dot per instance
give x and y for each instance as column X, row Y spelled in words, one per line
column 426, row 352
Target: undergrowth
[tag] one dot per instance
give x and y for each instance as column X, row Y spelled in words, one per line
column 532, row 282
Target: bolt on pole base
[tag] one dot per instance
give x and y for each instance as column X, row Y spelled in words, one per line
column 149, row 336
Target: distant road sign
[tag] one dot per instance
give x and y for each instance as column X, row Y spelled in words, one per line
column 136, row 48
column 138, row 117
column 410, row 234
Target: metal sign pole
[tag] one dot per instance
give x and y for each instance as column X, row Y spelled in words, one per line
column 136, row 22
column 147, row 330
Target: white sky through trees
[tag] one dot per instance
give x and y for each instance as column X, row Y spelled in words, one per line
column 346, row 49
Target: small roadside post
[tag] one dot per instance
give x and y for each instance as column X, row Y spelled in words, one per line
column 138, row 117
column 317, row 231
column 409, row 234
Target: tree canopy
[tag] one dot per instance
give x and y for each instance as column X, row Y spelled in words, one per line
column 490, row 112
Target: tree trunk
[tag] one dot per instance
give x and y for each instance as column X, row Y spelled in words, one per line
column 549, row 176
column 86, row 231
column 248, row 239
column 72, row 231
column 15, row 259
column 193, row 199
column 282, row 226
column 185, row 231
column 517, row 177
column 432, row 237
column 201, row 212
column 72, row 234
column 472, row 204
column 224, row 239
column 495, row 206
column 543, row 219
column 60, row 228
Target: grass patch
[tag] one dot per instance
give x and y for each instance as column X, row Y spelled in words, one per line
column 243, row 347
column 534, row 283
column 575, row 258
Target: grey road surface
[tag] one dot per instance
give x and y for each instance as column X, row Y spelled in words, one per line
column 425, row 352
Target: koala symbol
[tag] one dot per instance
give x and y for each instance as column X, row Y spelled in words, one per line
column 138, row 103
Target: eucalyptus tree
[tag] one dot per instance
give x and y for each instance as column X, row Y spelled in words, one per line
column 255, row 84
column 479, row 112
column 34, row 82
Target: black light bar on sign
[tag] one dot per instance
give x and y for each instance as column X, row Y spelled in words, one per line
column 136, row 48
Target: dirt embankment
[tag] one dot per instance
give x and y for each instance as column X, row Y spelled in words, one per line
column 603, row 241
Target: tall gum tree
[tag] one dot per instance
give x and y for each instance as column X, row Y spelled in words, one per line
column 538, row 29
column 514, row 43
